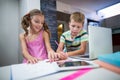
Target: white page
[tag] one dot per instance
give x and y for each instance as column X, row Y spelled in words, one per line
column 30, row 71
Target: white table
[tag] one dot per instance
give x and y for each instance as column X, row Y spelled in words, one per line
column 94, row 74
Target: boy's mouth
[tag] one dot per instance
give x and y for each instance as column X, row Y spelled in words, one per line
column 74, row 33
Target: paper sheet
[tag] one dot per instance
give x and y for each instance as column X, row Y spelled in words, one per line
column 30, row 71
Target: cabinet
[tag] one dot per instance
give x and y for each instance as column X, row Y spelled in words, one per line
column 116, row 39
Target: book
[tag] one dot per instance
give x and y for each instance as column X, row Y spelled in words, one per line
column 42, row 68
column 26, row 71
column 112, row 58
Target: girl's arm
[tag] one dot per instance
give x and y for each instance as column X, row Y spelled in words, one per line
column 51, row 53
column 25, row 52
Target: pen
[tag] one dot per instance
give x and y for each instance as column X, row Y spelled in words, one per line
column 56, row 42
column 60, row 48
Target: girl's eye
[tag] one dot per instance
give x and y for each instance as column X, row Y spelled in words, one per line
column 42, row 23
column 36, row 21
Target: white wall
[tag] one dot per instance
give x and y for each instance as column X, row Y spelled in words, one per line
column 9, row 24
column 11, row 12
column 27, row 5
column 63, row 7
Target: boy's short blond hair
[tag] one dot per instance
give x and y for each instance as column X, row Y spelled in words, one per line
column 77, row 17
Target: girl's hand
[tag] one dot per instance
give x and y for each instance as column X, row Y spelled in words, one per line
column 33, row 60
column 52, row 56
column 62, row 55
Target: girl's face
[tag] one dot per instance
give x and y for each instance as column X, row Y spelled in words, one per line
column 75, row 27
column 37, row 22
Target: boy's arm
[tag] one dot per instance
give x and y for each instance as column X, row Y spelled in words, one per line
column 60, row 47
column 61, row 55
column 81, row 51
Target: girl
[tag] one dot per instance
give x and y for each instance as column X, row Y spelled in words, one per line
column 35, row 40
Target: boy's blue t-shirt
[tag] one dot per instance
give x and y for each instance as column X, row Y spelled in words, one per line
column 73, row 44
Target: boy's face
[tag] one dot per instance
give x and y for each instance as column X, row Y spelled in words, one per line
column 75, row 27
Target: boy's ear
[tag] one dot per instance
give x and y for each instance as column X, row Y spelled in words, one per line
column 69, row 23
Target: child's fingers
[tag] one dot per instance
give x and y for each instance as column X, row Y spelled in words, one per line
column 39, row 59
column 63, row 56
column 50, row 55
column 32, row 61
column 53, row 57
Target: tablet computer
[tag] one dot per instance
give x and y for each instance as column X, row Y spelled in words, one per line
column 78, row 64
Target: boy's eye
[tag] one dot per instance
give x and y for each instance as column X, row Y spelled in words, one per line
column 78, row 27
column 73, row 25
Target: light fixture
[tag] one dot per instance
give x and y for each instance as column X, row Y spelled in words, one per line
column 109, row 11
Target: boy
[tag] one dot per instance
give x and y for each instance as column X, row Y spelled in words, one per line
column 75, row 40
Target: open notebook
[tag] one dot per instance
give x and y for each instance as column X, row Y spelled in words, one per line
column 42, row 68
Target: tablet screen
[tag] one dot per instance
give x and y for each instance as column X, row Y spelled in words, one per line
column 74, row 63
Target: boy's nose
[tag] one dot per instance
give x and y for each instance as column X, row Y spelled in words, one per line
column 75, row 29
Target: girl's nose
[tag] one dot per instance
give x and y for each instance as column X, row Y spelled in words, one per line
column 40, row 24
